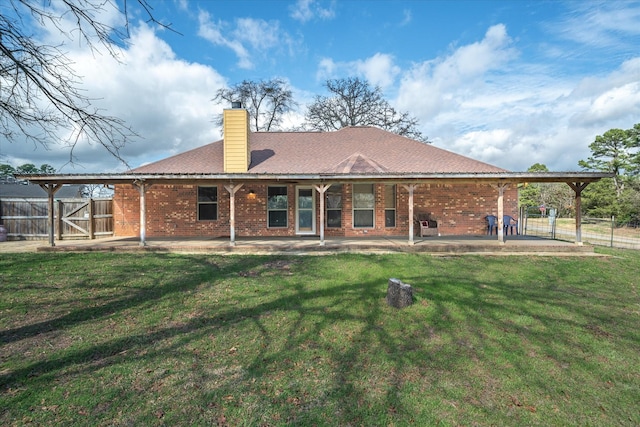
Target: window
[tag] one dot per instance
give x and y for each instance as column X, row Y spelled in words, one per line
column 363, row 205
column 207, row 203
column 334, row 206
column 277, row 207
column 389, row 205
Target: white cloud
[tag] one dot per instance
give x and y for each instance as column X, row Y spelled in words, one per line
column 407, row 17
column 167, row 101
column 306, row 10
column 482, row 101
column 379, row 69
column 212, row 32
column 435, row 85
column 247, row 37
column 327, row 69
column 258, row 33
column 599, row 24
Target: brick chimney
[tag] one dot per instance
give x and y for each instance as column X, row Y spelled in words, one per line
column 235, row 125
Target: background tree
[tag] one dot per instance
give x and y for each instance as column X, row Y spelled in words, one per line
column 27, row 168
column 267, row 101
column 610, row 152
column 47, row 169
column 353, row 102
column 634, row 144
column 531, row 194
column 30, row 168
column 40, row 94
column 552, row 195
column 615, row 151
column 6, row 171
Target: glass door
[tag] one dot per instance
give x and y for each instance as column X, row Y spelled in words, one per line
column 305, row 211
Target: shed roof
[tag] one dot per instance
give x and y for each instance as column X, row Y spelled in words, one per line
column 29, row 191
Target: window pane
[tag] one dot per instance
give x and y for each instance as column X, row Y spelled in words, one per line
column 334, row 219
column 208, row 211
column 277, row 198
column 277, row 219
column 390, row 218
column 390, row 196
column 207, row 194
column 363, row 218
column 305, row 219
column 277, row 191
column 305, row 199
column 363, row 197
column 334, row 201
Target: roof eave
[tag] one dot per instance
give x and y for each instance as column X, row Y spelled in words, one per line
column 492, row 177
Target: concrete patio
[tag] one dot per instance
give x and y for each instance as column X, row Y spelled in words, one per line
column 449, row 245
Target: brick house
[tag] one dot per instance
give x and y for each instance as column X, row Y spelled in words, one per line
column 363, row 176
column 357, row 181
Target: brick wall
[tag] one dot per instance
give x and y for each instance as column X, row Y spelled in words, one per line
column 172, row 210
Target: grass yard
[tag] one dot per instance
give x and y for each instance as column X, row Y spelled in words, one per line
column 159, row 339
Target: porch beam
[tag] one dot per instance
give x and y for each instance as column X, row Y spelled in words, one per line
column 142, row 188
column 51, row 189
column 232, row 189
column 577, row 187
column 322, row 189
column 410, row 188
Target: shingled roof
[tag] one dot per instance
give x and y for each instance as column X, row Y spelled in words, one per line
column 351, row 150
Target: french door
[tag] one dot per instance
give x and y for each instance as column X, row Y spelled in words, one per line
column 305, row 210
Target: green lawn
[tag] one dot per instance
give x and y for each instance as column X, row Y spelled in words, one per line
column 161, row 339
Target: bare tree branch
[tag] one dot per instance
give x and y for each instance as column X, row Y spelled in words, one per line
column 40, row 93
column 266, row 102
column 352, row 102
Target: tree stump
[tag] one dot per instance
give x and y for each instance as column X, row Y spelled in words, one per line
column 399, row 295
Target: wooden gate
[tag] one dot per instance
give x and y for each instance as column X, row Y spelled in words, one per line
column 27, row 218
column 84, row 218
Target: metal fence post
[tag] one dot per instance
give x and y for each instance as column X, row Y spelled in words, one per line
column 613, row 225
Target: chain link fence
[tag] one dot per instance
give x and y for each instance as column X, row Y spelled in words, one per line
column 596, row 231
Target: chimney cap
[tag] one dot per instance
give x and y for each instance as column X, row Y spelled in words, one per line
column 236, row 104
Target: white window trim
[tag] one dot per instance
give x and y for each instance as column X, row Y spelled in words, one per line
column 354, row 209
column 198, row 202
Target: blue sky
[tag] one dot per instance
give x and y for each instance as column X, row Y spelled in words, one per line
column 511, row 83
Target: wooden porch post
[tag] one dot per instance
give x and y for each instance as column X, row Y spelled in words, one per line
column 500, row 188
column 51, row 190
column 142, row 188
column 59, row 214
column 577, row 187
column 232, row 189
column 92, row 222
column 410, row 188
column 322, row 189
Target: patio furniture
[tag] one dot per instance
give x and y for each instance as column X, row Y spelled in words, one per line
column 428, row 225
column 509, row 222
column 492, row 222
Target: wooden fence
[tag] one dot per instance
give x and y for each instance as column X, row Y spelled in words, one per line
column 74, row 218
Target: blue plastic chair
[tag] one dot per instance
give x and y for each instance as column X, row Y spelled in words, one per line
column 492, row 222
column 509, row 222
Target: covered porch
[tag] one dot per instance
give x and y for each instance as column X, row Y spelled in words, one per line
column 233, row 183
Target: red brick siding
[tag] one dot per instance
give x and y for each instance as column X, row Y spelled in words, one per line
column 172, row 210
